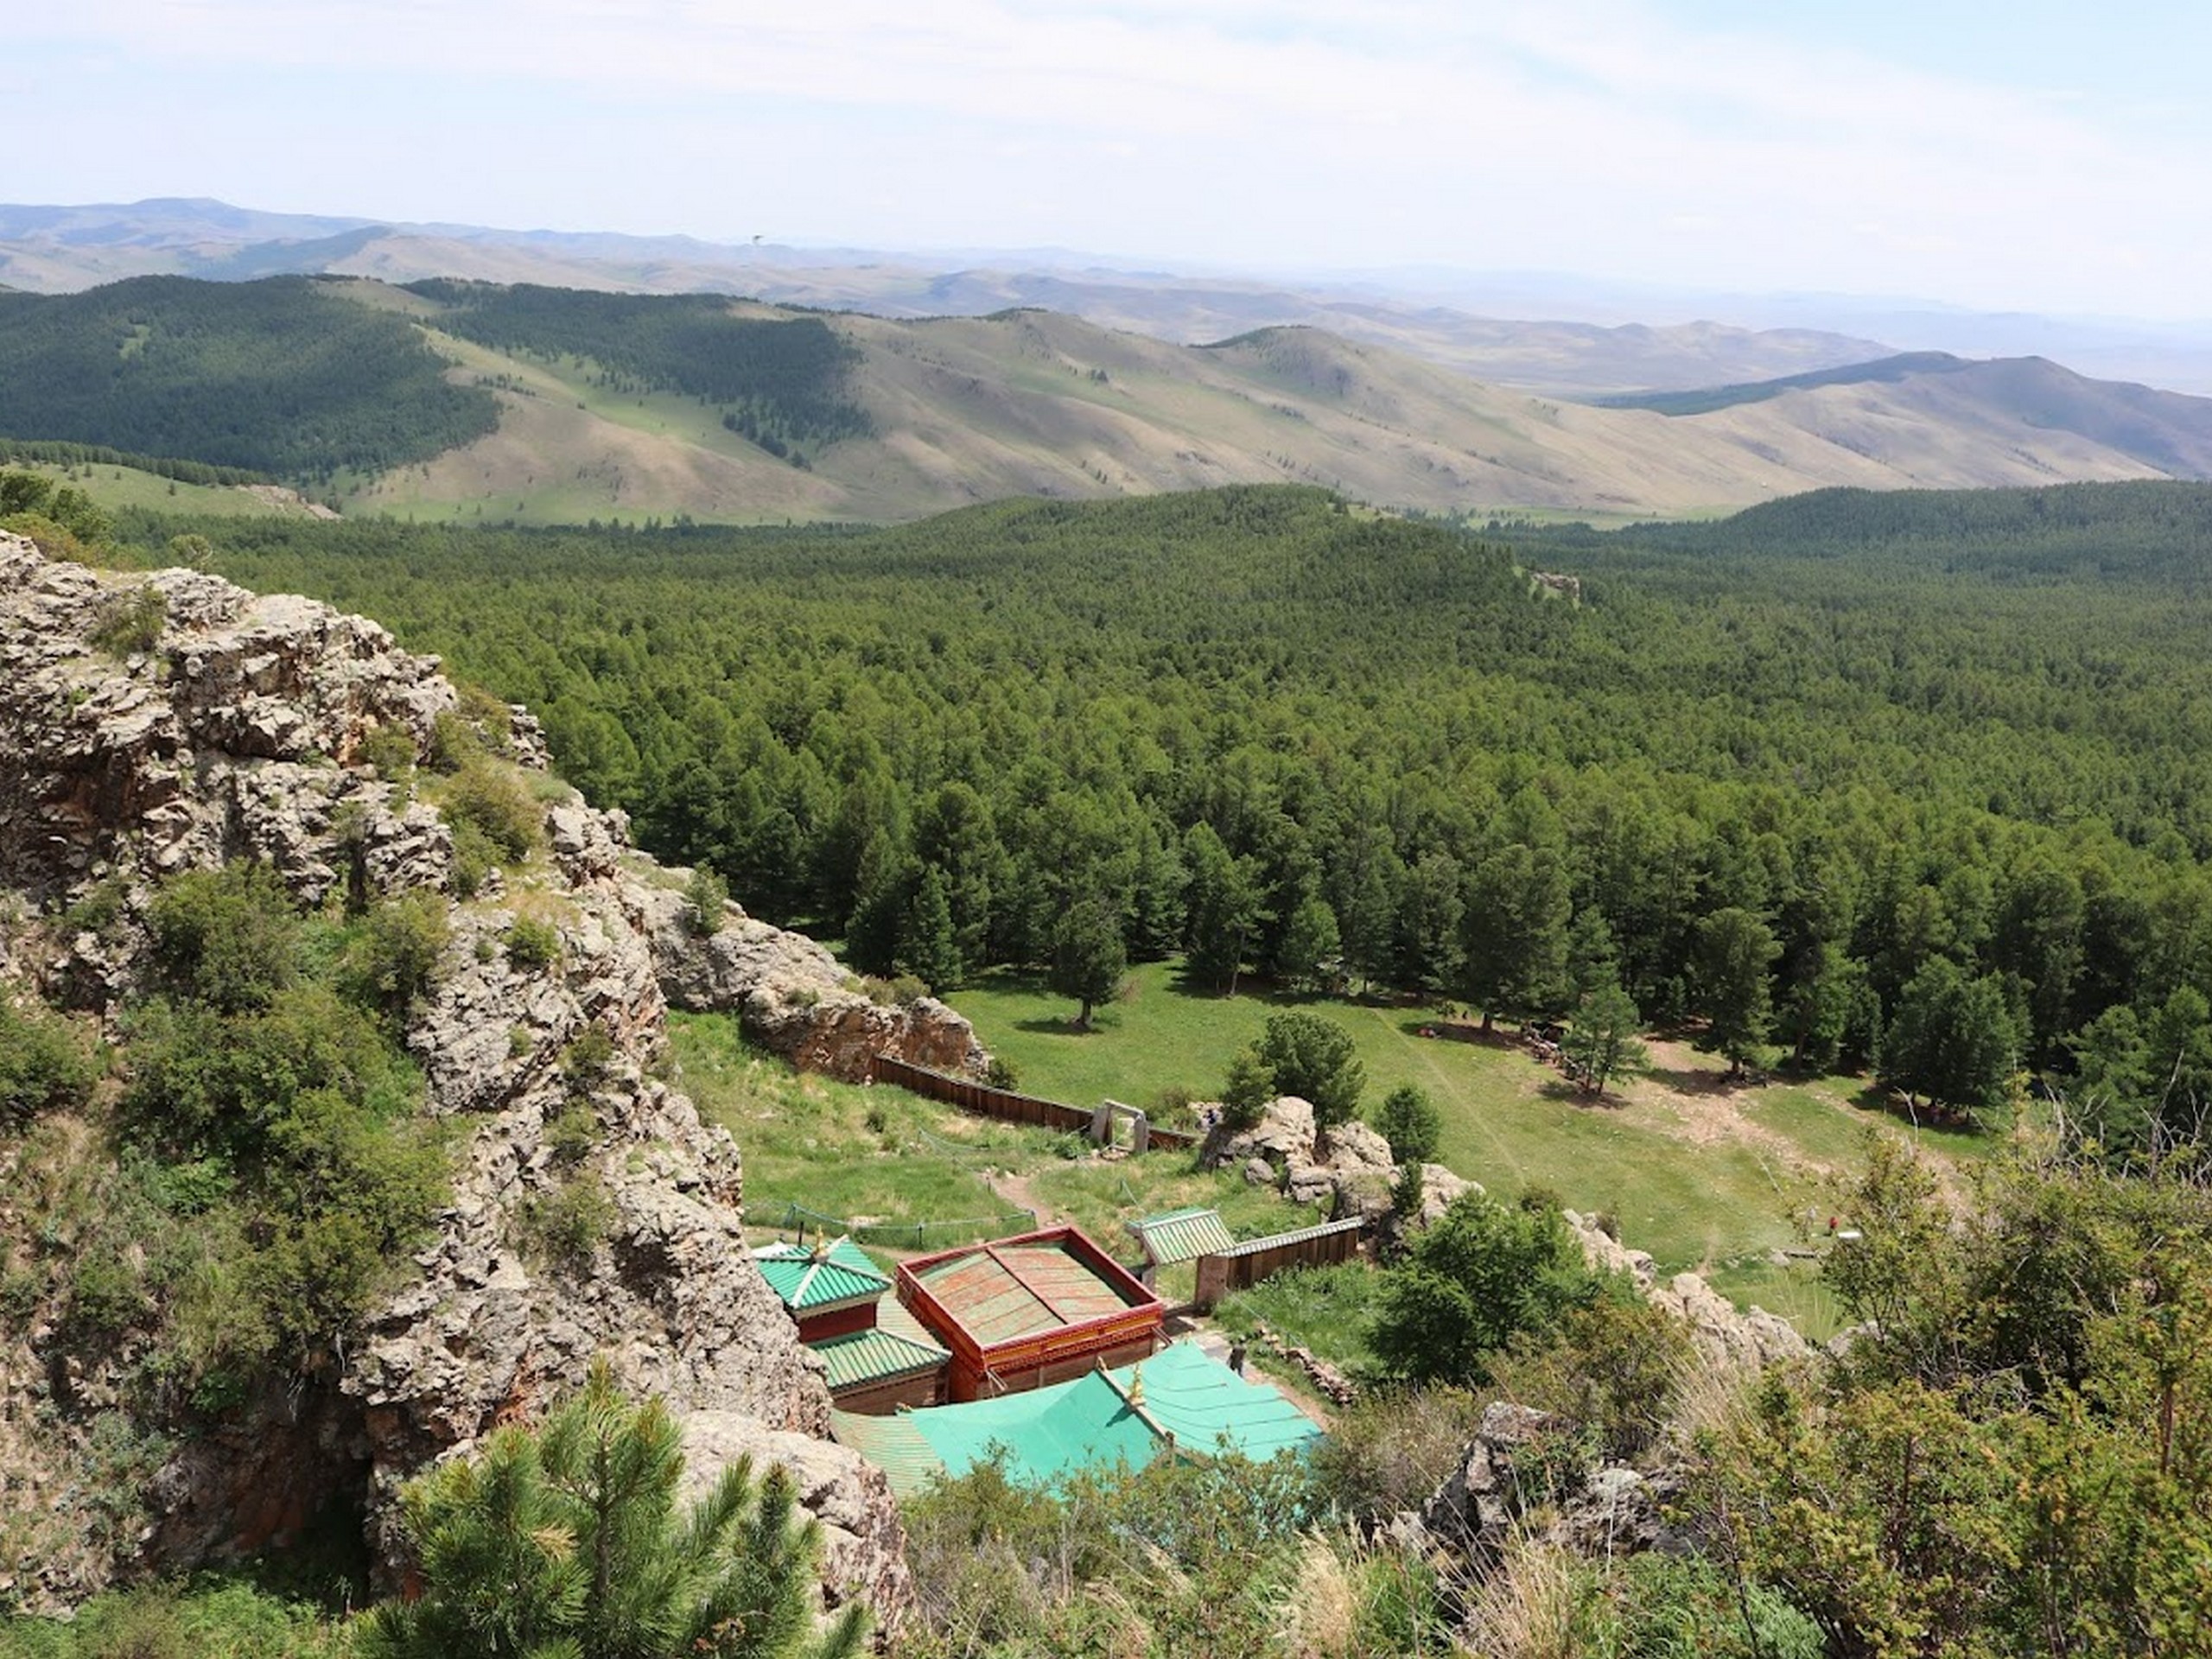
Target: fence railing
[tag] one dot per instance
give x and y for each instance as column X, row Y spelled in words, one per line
column 1008, row 1106
column 907, row 1235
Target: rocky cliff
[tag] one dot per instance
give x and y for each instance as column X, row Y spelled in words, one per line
column 153, row 724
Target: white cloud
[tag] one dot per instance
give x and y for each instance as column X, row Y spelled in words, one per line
column 1562, row 134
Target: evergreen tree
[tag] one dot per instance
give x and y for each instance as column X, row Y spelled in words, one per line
column 1602, row 1042
column 1953, row 1038
column 1408, row 1120
column 567, row 1540
column 1088, row 960
column 1309, row 941
column 928, row 948
column 1316, row 1060
column 1226, row 909
column 1734, row 951
column 1516, row 933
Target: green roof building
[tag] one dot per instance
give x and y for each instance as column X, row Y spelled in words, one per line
column 1180, row 1402
column 875, row 1355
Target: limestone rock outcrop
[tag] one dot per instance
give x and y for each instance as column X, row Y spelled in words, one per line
column 1724, row 1334
column 792, row 995
column 238, row 732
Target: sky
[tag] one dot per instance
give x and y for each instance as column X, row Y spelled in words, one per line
column 2029, row 155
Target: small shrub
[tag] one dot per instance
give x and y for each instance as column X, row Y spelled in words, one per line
column 705, row 897
column 454, row 743
column 394, row 959
column 130, row 623
column 584, row 1063
column 877, row 1119
column 1391, row 1452
column 571, row 1135
column 1001, row 1074
column 496, row 803
column 894, row 993
column 532, row 944
column 100, row 908
column 564, row 1228
column 388, row 751
column 1251, row 1086
column 42, row 1065
column 1408, row 1120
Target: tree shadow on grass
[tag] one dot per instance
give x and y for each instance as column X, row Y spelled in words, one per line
column 1573, row 1093
column 1057, row 1025
column 1896, row 1109
column 1699, row 1081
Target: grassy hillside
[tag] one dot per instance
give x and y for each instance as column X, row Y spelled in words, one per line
column 472, row 402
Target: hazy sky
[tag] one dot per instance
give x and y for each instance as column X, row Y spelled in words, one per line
column 2037, row 154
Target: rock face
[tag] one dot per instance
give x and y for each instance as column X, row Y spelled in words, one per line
column 1723, row 1334
column 236, row 735
column 1348, row 1167
column 792, row 995
column 1512, row 1467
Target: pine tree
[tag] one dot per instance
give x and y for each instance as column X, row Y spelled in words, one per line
column 565, row 1542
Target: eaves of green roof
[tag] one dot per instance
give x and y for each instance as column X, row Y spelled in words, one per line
column 875, row 1356
column 806, row 1283
column 1088, row 1423
column 1181, row 1234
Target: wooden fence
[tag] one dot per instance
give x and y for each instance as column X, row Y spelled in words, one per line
column 1256, row 1259
column 1008, row 1107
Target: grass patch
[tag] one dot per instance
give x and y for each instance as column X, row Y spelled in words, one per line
column 839, row 1149
column 1693, row 1195
column 1329, row 1310
column 1793, row 1289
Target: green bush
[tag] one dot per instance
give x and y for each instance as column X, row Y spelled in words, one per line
column 42, row 1065
column 394, row 958
column 705, row 897
column 532, row 944
column 585, row 1060
column 229, row 938
column 565, row 1227
column 1477, row 1278
column 204, row 1620
column 1408, row 1120
column 1317, row 1060
column 571, row 1134
column 496, row 803
column 1391, row 1452
column 130, row 623
column 389, row 751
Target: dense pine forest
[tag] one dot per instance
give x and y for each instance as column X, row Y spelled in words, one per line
column 282, row 378
column 1916, row 782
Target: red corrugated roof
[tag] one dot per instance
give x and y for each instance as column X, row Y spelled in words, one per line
column 1028, row 1287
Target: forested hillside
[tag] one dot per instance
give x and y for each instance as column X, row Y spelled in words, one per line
column 280, row 378
column 779, row 381
column 1919, row 781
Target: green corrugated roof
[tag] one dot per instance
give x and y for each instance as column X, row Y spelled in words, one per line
column 806, row 1281
column 875, row 1357
column 1277, row 1241
column 1199, row 1401
column 1181, row 1234
column 1087, row 1423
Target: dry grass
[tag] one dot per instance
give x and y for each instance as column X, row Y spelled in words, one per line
column 1036, row 404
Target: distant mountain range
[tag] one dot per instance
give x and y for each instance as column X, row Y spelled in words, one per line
column 449, row 399
column 52, row 249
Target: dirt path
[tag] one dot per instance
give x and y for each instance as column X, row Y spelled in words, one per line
column 1014, row 1192
column 1687, row 1095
